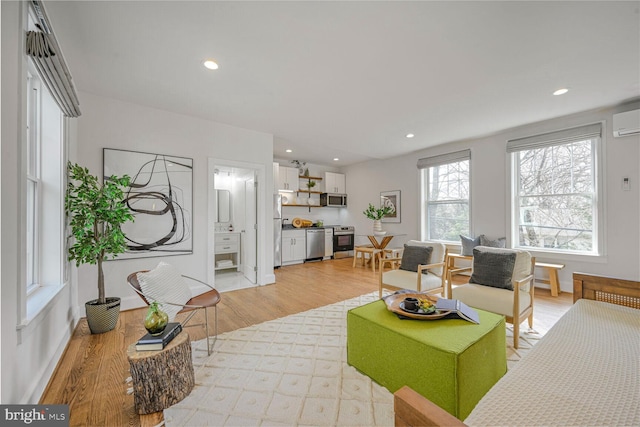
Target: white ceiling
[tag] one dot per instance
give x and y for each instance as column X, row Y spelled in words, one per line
column 350, row 79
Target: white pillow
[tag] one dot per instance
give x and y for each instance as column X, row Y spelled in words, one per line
column 165, row 284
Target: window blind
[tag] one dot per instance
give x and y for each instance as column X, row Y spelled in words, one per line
column 565, row 136
column 443, row 159
column 43, row 48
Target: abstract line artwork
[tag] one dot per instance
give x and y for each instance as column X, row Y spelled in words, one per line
column 161, row 199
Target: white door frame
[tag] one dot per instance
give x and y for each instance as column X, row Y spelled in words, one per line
column 245, row 255
column 261, row 233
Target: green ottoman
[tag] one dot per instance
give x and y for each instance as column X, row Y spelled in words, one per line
column 451, row 362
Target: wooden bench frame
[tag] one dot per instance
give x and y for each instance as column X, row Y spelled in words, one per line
column 553, row 282
column 413, row 409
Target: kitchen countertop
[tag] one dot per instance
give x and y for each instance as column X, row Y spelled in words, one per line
column 291, row 227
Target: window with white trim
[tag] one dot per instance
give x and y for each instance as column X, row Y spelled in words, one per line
column 555, row 198
column 33, row 179
column 44, row 193
column 44, row 92
column 446, row 194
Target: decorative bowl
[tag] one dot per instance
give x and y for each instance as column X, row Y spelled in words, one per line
column 379, row 233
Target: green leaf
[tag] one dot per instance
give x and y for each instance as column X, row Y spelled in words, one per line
column 96, row 213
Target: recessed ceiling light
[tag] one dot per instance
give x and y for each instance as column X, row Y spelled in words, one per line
column 210, row 64
column 409, row 135
column 561, row 91
column 335, row 159
column 288, row 150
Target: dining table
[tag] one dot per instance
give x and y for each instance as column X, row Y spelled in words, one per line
column 381, row 241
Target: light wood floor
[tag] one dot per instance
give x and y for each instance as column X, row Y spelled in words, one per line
column 91, row 374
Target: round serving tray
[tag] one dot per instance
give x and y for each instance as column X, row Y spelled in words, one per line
column 393, row 304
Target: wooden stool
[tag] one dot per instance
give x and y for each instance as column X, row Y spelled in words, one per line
column 553, row 281
column 393, row 253
column 374, row 254
column 161, row 378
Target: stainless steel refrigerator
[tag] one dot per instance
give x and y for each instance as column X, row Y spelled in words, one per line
column 277, row 230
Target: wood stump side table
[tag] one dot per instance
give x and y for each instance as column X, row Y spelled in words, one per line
column 161, row 378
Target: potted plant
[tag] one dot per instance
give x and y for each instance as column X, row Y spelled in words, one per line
column 376, row 214
column 96, row 212
column 302, row 169
column 311, row 184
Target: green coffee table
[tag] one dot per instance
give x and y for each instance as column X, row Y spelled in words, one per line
column 452, row 362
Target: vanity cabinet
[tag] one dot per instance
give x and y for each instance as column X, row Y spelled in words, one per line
column 294, row 246
column 227, row 251
column 335, row 183
column 288, row 179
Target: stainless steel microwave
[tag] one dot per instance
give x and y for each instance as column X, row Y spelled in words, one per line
column 333, row 200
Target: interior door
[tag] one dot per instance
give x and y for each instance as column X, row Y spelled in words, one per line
column 250, row 252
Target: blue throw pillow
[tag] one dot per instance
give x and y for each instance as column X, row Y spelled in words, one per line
column 468, row 243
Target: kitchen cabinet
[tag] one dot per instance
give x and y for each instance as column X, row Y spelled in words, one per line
column 294, row 246
column 227, row 251
column 335, row 183
column 328, row 243
column 288, row 179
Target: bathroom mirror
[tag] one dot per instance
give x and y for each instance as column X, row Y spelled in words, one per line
column 224, row 205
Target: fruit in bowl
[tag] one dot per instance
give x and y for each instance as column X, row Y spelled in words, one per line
column 427, row 306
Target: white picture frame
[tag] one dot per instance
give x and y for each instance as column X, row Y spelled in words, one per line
column 391, row 198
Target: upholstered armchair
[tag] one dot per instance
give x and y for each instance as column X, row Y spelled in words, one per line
column 421, row 268
column 501, row 282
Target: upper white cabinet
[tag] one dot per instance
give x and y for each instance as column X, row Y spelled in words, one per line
column 335, row 182
column 288, row 179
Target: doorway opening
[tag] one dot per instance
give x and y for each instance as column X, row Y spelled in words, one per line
column 234, row 223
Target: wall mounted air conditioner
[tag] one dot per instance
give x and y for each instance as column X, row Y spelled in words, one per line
column 627, row 123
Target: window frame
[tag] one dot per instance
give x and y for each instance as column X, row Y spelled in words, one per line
column 425, row 165
column 43, row 270
column 550, row 139
column 33, row 179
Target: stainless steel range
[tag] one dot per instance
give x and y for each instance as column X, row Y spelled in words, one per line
column 343, row 240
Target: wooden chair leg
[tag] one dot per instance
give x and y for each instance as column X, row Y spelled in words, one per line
column 516, row 333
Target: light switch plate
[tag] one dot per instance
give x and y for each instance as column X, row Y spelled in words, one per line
column 626, row 185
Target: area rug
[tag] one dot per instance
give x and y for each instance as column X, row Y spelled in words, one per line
column 291, row 371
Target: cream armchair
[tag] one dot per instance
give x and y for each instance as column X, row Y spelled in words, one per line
column 501, row 282
column 420, row 280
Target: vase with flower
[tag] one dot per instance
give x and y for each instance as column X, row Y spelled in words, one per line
column 376, row 214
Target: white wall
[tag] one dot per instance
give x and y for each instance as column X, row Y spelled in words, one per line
column 107, row 123
column 490, row 203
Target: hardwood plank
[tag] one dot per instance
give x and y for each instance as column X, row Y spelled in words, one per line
column 91, row 374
